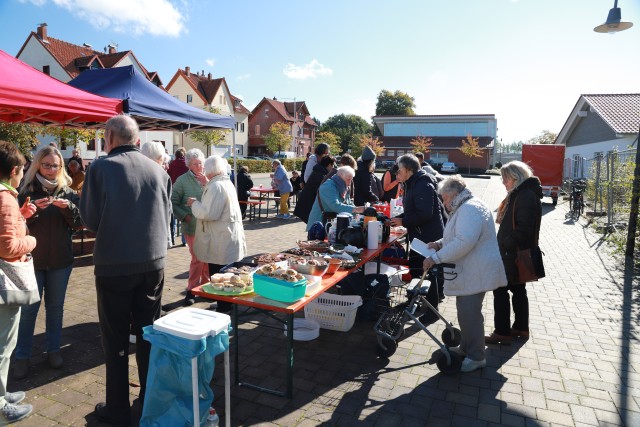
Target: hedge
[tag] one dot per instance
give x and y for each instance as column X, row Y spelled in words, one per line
column 264, row 166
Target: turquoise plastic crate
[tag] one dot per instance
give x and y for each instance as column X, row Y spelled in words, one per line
column 279, row 290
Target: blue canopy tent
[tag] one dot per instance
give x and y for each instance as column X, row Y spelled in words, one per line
column 152, row 107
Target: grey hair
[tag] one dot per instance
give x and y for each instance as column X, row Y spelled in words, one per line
column 409, row 162
column 194, row 153
column 453, row 185
column 123, row 129
column 346, row 172
column 153, row 150
column 276, row 162
column 517, row 171
column 215, row 165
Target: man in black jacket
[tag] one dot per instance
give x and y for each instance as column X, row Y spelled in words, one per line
column 126, row 201
column 423, row 219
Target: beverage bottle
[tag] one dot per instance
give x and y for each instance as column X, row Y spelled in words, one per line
column 212, row 419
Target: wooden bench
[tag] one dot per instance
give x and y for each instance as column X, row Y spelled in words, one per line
column 251, row 204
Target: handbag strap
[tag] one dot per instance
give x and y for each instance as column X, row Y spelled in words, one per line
column 538, row 223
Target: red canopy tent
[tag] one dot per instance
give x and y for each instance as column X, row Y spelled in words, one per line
column 30, row 96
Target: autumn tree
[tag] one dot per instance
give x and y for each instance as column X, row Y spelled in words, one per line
column 24, row 136
column 331, row 140
column 471, row 148
column 545, row 137
column 358, row 143
column 278, row 137
column 209, row 137
column 421, row 144
column 69, row 137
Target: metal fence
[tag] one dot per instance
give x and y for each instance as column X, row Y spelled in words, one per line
column 609, row 184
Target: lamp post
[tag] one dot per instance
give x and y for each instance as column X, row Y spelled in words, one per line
column 613, row 23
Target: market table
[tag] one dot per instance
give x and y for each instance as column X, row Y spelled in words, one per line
column 262, row 194
column 255, row 303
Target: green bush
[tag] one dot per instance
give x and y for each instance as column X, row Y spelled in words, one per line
column 264, row 166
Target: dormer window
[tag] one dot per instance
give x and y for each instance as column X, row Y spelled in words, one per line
column 189, row 99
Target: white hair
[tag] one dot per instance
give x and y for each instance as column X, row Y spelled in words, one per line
column 215, row 165
column 346, row 172
column 194, row 153
column 153, row 150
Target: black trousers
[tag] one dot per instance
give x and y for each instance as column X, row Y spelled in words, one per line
column 124, row 301
column 502, row 308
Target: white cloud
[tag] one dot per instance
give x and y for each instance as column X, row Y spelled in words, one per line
column 155, row 17
column 244, row 76
column 210, row 62
column 312, row 69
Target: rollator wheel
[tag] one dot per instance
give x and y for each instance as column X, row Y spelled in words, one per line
column 451, row 341
column 449, row 369
column 389, row 348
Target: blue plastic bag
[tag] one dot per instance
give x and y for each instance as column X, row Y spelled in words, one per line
column 169, row 397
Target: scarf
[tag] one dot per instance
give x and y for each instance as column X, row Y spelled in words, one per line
column 49, row 186
column 457, row 201
column 502, row 209
column 342, row 186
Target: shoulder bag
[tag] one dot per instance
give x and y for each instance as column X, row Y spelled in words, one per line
column 18, row 284
column 528, row 261
column 326, row 216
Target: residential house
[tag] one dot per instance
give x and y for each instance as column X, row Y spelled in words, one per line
column 64, row 61
column 446, row 132
column 206, row 92
column 294, row 114
column 598, row 125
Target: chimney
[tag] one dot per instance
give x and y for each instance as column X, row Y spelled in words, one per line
column 187, row 71
column 87, row 45
column 42, row 31
column 202, row 73
column 112, row 48
column 209, row 76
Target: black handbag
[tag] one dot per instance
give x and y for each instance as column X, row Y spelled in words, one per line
column 529, row 261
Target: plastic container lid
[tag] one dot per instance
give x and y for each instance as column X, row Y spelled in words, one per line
column 193, row 323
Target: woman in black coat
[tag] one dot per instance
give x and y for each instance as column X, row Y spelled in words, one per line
column 308, row 194
column 362, row 181
column 518, row 230
column 245, row 184
column 422, row 217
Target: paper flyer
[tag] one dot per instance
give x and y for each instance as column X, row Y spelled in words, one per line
column 422, row 248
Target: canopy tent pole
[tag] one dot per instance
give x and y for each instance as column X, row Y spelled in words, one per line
column 235, row 169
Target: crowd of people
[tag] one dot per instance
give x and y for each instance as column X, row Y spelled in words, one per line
column 40, row 211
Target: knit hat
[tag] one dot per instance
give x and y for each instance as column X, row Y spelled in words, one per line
column 368, row 154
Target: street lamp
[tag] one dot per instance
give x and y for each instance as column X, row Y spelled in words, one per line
column 613, row 23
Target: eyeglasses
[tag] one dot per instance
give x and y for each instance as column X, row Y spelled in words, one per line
column 49, row 166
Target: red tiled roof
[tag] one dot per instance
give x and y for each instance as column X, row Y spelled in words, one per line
column 238, row 107
column 285, row 109
column 620, row 111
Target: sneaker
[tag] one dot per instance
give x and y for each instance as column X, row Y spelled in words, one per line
column 189, row 299
column 11, row 413
column 469, row 365
column 103, row 414
column 517, row 333
column 15, row 397
column 55, row 359
column 20, row 368
column 286, row 216
column 497, row 339
column 279, row 216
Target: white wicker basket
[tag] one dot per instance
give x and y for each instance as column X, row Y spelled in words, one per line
column 334, row 312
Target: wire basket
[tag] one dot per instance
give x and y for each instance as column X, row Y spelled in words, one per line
column 334, row 312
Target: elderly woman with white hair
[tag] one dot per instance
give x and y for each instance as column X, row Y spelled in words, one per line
column 334, row 196
column 219, row 236
column 190, row 185
column 469, row 242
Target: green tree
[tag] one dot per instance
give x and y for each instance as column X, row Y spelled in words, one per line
column 395, row 104
column 23, row 135
column 331, row 140
column 278, row 137
column 69, row 137
column 209, row 137
column 421, row 144
column 545, row 137
column 345, row 126
column 471, row 148
column 358, row 142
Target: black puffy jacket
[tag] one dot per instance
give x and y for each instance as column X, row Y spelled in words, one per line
column 528, row 213
column 307, row 196
column 422, row 216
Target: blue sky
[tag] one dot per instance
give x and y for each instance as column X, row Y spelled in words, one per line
column 526, row 61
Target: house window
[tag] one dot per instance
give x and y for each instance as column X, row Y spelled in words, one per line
column 46, row 69
column 241, row 127
column 189, row 98
column 257, row 129
column 390, row 153
column 236, row 126
column 221, row 99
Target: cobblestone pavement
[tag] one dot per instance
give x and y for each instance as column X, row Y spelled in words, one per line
column 579, row 368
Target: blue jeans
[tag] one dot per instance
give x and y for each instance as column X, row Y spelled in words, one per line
column 53, row 283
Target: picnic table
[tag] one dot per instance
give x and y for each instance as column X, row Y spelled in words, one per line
column 284, row 312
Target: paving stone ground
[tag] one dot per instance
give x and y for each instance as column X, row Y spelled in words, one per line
column 579, row 368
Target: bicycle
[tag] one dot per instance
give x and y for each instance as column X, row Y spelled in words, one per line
column 576, row 198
